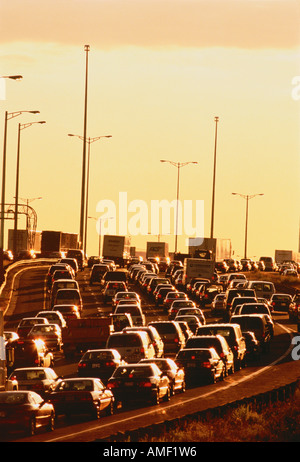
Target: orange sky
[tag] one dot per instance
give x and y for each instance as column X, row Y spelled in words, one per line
column 159, row 72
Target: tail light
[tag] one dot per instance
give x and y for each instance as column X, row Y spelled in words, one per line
column 142, row 350
column 86, row 397
column 176, row 340
column 114, row 384
column 145, row 384
column 109, row 364
column 206, row 364
column 82, row 364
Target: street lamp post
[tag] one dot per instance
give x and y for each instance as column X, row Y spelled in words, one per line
column 247, row 197
column 8, row 116
column 214, row 182
column 178, row 165
column 89, row 141
column 21, row 127
column 100, row 221
column 82, row 214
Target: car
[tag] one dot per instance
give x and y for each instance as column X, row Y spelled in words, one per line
column 269, row 263
column 54, row 317
column 155, row 338
column 93, row 260
column 177, row 304
column 154, row 282
column 209, row 294
column 217, row 305
column 62, row 274
column 171, row 334
column 161, row 293
column 67, row 311
column 294, row 308
column 200, row 365
column 230, row 294
column 71, row 262
column 137, row 315
column 25, row 410
column 98, row 270
column 238, row 301
column 291, row 272
column 232, row 332
column 99, row 363
column 111, row 288
column 192, row 321
column 26, row 324
column 280, row 302
column 69, row 297
column 126, row 295
column 185, row 329
column 42, row 380
column 171, row 296
column 62, row 284
column 132, row 345
column 56, row 266
column 111, row 276
column 192, row 311
column 257, row 323
column 219, row 343
column 139, row 382
column 25, row 352
column 49, row 333
column 82, row 395
column 79, row 256
column 252, row 346
column 170, row 368
column 120, row 321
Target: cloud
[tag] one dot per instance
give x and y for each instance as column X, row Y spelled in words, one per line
column 107, row 24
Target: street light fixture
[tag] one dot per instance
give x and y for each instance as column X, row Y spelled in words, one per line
column 178, row 165
column 8, row 116
column 89, row 141
column 21, row 127
column 247, row 197
column 12, row 77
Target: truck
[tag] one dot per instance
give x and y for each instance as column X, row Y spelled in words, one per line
column 197, row 268
column 86, row 333
column 282, row 256
column 116, row 248
column 5, row 383
column 57, row 241
column 157, row 249
column 220, row 248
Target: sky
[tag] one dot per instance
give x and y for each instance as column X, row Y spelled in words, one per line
column 159, row 72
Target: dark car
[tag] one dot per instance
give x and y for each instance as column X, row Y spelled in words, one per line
column 230, row 294
column 93, row 260
column 42, row 380
column 201, row 365
column 98, row 270
column 111, row 289
column 252, row 346
column 99, row 363
column 294, row 308
column 162, row 293
column 177, row 304
column 139, row 382
column 78, row 255
column 171, row 335
column 85, row 395
column 192, row 321
column 28, row 353
column 171, row 296
column 234, row 337
column 175, row 374
column 219, row 343
column 280, row 302
column 25, row 410
column 109, row 276
column 257, row 323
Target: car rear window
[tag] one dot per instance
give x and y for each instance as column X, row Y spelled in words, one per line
column 128, row 340
column 165, row 328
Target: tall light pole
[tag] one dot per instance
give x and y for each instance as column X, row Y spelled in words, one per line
column 82, row 214
column 21, row 127
column 8, row 116
column 178, row 165
column 247, row 197
column 89, row 141
column 100, row 229
column 214, row 182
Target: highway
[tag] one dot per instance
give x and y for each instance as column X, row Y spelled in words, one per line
column 30, row 296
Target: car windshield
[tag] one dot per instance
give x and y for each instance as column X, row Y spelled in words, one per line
column 43, row 329
column 165, row 328
column 127, row 340
column 134, row 372
column 75, row 385
column 30, row 375
column 13, row 398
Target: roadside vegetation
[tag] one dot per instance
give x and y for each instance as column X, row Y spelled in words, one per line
column 278, row 422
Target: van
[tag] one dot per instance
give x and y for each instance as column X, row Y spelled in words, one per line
column 171, row 334
column 98, row 270
column 263, row 289
column 28, row 353
column 68, row 297
column 132, row 346
column 230, row 294
column 269, row 263
column 258, row 324
column 154, row 337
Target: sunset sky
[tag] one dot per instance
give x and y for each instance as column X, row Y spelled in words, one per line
column 160, row 71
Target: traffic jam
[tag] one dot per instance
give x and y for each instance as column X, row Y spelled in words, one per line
column 157, row 332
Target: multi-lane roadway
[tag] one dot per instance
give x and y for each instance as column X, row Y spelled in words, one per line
column 30, row 296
